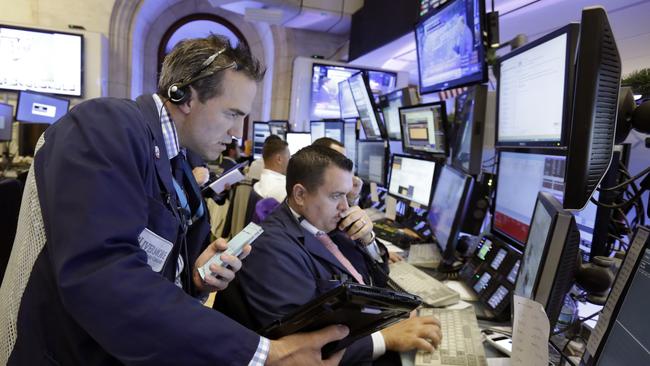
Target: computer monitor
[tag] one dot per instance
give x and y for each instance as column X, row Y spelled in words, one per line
column 365, row 104
column 350, row 138
column 279, row 128
column 423, row 129
column 40, row 108
column 535, row 91
column 325, row 81
column 381, row 82
column 331, row 129
column 621, row 336
column 346, row 102
column 371, row 161
column 450, row 47
column 390, row 104
column 447, row 209
column 298, row 140
column 411, row 179
column 595, row 107
column 520, row 176
column 6, row 120
column 467, row 153
column 261, row 131
column 550, row 259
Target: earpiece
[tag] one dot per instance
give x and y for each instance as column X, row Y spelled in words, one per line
column 176, row 94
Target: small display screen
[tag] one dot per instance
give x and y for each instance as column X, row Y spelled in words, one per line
column 498, row 259
column 485, row 249
column 482, row 283
column 512, row 276
column 497, row 297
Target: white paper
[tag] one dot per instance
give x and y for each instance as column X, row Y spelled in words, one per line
column 231, row 178
column 530, row 333
column 374, row 195
column 391, row 204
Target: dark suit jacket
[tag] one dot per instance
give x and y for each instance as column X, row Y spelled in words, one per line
column 103, row 176
column 288, row 267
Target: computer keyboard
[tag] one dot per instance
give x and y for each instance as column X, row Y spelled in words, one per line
column 424, row 255
column 461, row 340
column 433, row 292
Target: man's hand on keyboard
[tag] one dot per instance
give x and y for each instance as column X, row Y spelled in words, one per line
column 394, row 257
column 422, row 333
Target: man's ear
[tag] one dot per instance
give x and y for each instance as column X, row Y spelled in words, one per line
column 298, row 193
column 186, row 106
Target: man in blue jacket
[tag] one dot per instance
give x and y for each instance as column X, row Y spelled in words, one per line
column 103, row 265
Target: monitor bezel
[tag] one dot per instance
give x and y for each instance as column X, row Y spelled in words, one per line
column 405, row 100
column 530, row 150
column 340, row 123
column 19, row 97
column 480, row 94
column 386, row 158
column 433, row 178
column 81, row 55
column 571, row 30
column 373, row 106
column 340, row 97
column 476, row 78
column 449, row 251
column 416, row 152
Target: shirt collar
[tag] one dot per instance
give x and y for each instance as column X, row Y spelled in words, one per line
column 305, row 224
column 273, row 173
column 168, row 128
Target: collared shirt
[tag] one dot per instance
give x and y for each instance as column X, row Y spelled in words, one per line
column 255, row 170
column 173, row 148
column 378, row 342
column 272, row 184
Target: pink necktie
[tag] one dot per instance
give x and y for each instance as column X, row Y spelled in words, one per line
column 329, row 244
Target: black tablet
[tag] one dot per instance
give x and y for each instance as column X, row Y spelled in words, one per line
column 363, row 309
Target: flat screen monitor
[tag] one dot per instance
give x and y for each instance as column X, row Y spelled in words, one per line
column 346, row 102
column 331, row 129
column 390, row 104
column 621, row 336
column 279, row 128
column 411, row 179
column 371, row 161
column 447, row 208
column 325, row 81
column 467, row 152
column 521, row 175
column 365, row 104
column 298, row 140
column 534, row 91
column 6, row 120
column 41, row 60
column 550, row 259
column 261, row 131
column 350, row 139
column 450, row 48
column 423, row 129
column 381, row 82
column 40, row 108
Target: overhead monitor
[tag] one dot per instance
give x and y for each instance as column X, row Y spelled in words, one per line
column 371, row 161
column 411, row 179
column 621, row 336
column 520, row 176
column 6, row 120
column 279, row 128
column 390, row 104
column 350, row 139
column 381, row 82
column 450, row 47
column 41, row 60
column 298, row 140
column 40, row 108
column 423, row 129
column 325, row 81
column 331, row 129
column 261, row 131
column 550, row 259
column 467, row 152
column 535, row 89
column 365, row 104
column 346, row 102
column 595, row 106
column 447, row 209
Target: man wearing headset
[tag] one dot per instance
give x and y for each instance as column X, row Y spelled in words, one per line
column 106, row 271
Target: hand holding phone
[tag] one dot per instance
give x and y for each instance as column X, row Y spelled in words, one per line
column 235, row 247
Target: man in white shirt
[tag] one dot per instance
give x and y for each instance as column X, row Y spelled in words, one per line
column 273, row 179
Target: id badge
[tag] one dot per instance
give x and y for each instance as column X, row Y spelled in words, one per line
column 156, row 247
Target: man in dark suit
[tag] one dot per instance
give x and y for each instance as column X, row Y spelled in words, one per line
column 313, row 242
column 104, row 270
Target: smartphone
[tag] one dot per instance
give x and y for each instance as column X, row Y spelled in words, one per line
column 235, row 246
column 499, row 341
